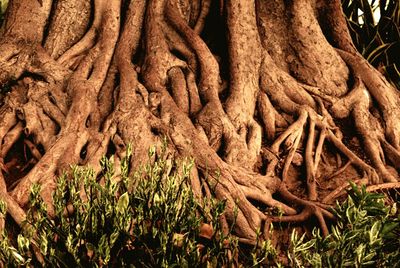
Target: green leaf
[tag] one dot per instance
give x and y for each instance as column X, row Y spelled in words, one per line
column 123, row 203
column 360, row 250
column 389, row 227
column 43, row 245
column 23, row 243
column 374, row 232
column 3, row 208
column 113, row 238
column 18, row 258
column 156, row 199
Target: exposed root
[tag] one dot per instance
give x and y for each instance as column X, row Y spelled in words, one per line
column 74, row 102
column 310, row 208
column 212, row 117
column 69, row 57
column 383, row 186
column 291, row 138
column 341, row 191
column 386, row 96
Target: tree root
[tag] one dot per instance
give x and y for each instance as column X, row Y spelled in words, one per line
column 157, row 77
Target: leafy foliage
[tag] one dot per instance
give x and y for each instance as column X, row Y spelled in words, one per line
column 149, row 219
column 152, row 219
column 366, row 235
column 378, row 39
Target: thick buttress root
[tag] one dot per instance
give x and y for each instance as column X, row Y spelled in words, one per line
column 152, row 69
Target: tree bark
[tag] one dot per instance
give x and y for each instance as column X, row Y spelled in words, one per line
column 270, row 98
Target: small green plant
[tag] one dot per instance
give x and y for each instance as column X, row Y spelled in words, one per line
column 264, row 252
column 366, row 235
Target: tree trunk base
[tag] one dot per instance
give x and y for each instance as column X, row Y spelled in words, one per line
column 261, row 112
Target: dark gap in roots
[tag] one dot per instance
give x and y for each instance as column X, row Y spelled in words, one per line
column 5, row 88
column 56, row 124
column 51, row 98
column 12, row 55
column 111, row 149
column 224, row 94
column 140, row 97
column 87, row 122
column 298, row 186
column 124, row 6
column 155, row 131
column 203, row 176
column 48, row 22
column 261, row 165
column 90, row 71
column 119, row 146
column 179, row 55
column 13, row 229
column 18, row 161
column 351, row 81
column 91, row 17
column 277, row 196
column 138, row 57
column 222, row 149
column 214, row 25
column 351, row 138
column 312, row 222
column 113, row 100
column 116, row 87
column 169, row 87
column 259, row 205
column 248, row 134
column 34, row 76
column 58, row 128
column 258, row 118
column 83, row 151
column 203, row 190
column 322, row 14
column 375, row 112
column 41, row 149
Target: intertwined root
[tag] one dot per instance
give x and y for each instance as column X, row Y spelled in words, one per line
column 157, row 77
column 295, row 137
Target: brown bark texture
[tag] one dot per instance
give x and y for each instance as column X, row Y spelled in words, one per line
column 270, row 98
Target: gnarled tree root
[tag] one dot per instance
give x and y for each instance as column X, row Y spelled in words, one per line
column 148, row 71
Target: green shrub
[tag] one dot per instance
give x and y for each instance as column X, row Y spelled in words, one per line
column 149, row 219
column 367, row 234
column 152, row 219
